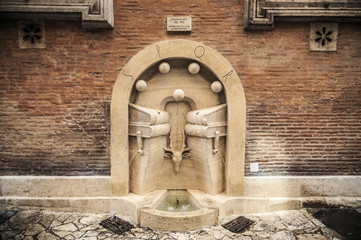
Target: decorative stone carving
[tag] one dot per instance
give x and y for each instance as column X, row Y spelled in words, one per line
column 213, row 116
column 148, row 129
column 216, row 163
column 177, row 119
column 141, row 85
column 177, row 153
column 164, row 67
column 261, row 14
column 216, row 86
column 150, row 122
column 194, row 68
column 177, row 149
column 207, row 129
column 323, row 37
column 31, row 34
column 94, row 14
column 178, row 95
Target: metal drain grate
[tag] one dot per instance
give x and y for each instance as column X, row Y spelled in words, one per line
column 238, row 224
column 116, row 225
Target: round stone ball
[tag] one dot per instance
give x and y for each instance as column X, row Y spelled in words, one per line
column 194, row 68
column 178, row 95
column 164, row 67
column 141, row 85
column 216, row 86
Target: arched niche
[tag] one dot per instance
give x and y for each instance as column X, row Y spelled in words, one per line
column 234, row 94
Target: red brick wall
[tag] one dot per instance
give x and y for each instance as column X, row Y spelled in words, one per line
column 303, row 108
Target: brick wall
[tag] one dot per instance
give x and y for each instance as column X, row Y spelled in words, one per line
column 303, row 108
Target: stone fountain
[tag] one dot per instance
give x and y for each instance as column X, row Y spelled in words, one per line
column 173, row 135
column 177, row 132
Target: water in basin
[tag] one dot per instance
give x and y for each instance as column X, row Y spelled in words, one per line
column 177, row 201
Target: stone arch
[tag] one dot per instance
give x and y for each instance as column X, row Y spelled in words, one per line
column 235, row 98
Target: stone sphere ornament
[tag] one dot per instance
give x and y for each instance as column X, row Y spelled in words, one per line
column 178, row 95
column 194, row 68
column 141, row 85
column 164, row 67
column 216, row 86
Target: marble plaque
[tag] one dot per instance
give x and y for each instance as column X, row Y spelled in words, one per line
column 179, row 24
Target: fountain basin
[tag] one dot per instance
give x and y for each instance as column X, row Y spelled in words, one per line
column 168, row 214
column 177, row 201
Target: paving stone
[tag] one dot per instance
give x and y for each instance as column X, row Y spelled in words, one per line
column 263, row 235
column 20, row 220
column 179, row 236
column 61, row 233
column 88, row 238
column 8, row 234
column 63, row 217
column 280, row 225
column 20, row 237
column 284, row 225
column 69, row 237
column 259, row 226
column 93, row 227
column 80, row 225
column 207, row 237
column 48, row 219
column 78, row 234
column 72, row 219
column 46, row 236
column 283, row 235
column 295, row 220
column 55, row 223
column 4, row 226
column 311, row 237
column 90, row 234
column 248, row 233
column 243, row 238
column 69, row 227
column 6, row 215
column 152, row 236
column 88, row 220
column 217, row 232
column 28, row 238
column 269, row 217
column 166, row 238
column 33, row 229
column 102, row 236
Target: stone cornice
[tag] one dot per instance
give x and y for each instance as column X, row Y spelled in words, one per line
column 261, row 14
column 94, row 14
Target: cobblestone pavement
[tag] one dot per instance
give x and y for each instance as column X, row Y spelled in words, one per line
column 47, row 225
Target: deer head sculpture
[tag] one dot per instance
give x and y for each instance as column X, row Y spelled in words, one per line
column 177, row 153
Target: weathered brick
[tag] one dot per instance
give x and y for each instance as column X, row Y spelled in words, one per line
column 303, row 108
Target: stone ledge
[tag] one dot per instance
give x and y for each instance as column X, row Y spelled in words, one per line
column 265, row 186
column 94, row 14
column 303, row 186
column 53, row 186
column 102, row 205
column 261, row 14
